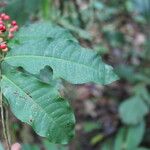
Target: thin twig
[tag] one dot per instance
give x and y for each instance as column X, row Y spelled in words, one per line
column 7, row 126
column 3, row 123
column 3, row 114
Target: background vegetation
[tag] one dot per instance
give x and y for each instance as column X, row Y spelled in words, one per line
column 113, row 117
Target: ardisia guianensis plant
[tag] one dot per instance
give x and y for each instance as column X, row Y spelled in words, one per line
column 34, row 60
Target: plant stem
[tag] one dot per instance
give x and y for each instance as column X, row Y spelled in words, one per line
column 7, row 127
column 2, row 112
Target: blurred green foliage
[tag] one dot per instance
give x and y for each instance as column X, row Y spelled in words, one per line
column 132, row 61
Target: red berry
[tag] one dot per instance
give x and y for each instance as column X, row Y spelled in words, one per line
column 13, row 23
column 16, row 27
column 1, row 22
column 3, row 15
column 3, row 46
column 6, row 17
column 12, row 30
column 2, row 27
column 7, row 29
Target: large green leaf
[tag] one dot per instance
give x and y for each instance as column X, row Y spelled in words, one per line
column 39, row 105
column 133, row 110
column 66, row 57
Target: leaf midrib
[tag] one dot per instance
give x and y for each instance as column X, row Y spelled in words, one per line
column 51, row 118
column 47, row 57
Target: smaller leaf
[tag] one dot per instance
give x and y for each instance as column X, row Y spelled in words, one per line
column 120, row 140
column 135, row 135
column 128, row 138
column 133, row 110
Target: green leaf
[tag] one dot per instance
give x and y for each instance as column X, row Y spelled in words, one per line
column 135, row 135
column 37, row 48
column 67, row 59
column 119, row 140
column 133, row 110
column 128, row 138
column 39, row 105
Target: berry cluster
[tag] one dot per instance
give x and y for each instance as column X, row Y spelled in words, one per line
column 7, row 29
